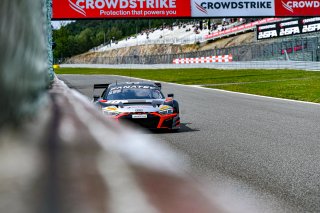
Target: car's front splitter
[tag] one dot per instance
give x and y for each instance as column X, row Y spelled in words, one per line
column 154, row 120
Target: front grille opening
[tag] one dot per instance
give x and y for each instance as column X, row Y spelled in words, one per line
column 151, row 122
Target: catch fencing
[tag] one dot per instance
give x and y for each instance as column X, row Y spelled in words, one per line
column 295, row 48
column 299, row 65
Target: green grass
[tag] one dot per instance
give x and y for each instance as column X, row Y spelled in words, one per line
column 304, row 89
column 291, row 84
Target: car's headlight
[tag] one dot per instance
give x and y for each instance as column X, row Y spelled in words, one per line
column 165, row 109
column 110, row 111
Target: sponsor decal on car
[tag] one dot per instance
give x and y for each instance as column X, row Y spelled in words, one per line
column 116, row 101
column 119, row 88
column 165, row 109
column 111, row 111
column 110, row 108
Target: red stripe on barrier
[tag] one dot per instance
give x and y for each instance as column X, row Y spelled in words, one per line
column 210, row 59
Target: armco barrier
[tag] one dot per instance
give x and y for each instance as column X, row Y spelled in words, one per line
column 301, row 65
column 210, row 59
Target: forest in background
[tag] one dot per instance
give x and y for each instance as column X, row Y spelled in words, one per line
column 82, row 35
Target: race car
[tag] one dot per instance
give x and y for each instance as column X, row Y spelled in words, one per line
column 141, row 103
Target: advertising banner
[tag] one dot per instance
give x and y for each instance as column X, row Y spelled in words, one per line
column 289, row 27
column 101, row 9
column 241, row 28
column 297, row 8
column 232, row 8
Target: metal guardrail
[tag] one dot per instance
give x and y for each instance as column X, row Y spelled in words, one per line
column 300, row 65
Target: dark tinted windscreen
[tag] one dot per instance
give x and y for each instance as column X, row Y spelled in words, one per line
column 121, row 93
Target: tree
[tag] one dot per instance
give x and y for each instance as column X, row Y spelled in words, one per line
column 114, row 34
column 85, row 39
column 82, row 35
column 100, row 38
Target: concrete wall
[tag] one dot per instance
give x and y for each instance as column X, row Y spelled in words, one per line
column 23, row 58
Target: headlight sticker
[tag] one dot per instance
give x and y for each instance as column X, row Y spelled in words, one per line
column 165, row 109
column 110, row 110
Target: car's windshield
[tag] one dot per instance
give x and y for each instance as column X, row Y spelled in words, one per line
column 132, row 93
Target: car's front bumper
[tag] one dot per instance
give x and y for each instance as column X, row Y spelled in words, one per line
column 153, row 120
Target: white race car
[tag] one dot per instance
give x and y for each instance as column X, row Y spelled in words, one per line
column 139, row 102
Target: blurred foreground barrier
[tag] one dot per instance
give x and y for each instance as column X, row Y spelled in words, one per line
column 23, row 59
column 71, row 159
column 58, row 154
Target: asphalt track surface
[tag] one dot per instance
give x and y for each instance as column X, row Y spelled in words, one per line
column 260, row 154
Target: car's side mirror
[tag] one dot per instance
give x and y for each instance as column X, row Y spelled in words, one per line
column 170, row 95
column 96, row 97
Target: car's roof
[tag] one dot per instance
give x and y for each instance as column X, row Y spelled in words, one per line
column 132, row 83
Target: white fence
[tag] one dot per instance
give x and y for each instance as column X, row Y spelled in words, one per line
column 170, row 36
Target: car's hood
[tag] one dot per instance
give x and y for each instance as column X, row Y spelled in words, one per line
column 134, row 106
column 138, row 108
